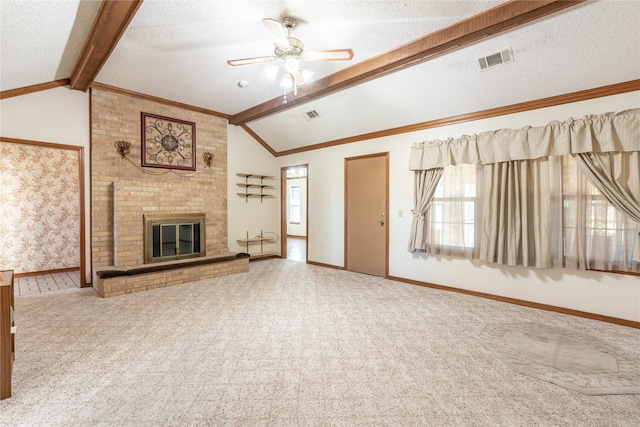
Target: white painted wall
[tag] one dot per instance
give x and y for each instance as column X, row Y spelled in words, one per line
column 602, row 293
column 58, row 116
column 301, row 228
column 62, row 116
column 245, row 155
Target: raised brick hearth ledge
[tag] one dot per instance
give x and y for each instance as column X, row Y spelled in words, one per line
column 113, row 281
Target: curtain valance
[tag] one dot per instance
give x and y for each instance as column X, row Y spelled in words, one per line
column 608, row 132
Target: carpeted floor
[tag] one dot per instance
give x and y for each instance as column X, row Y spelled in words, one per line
column 289, row 344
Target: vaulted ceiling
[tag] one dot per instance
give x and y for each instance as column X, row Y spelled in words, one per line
column 415, row 62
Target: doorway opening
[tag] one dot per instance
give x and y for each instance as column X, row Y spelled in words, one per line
column 61, row 191
column 294, row 186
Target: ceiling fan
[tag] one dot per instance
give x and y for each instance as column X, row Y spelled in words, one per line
column 291, row 51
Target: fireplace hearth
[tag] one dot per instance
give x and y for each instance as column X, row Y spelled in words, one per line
column 172, row 237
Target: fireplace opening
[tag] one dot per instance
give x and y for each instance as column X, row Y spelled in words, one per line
column 171, row 237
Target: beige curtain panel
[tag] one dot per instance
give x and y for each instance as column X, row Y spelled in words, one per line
column 517, row 214
column 617, row 177
column 424, row 185
column 516, row 208
column 609, row 132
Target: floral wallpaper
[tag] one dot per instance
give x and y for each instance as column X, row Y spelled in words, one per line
column 39, row 208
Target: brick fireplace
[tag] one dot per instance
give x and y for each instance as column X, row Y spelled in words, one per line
column 123, row 193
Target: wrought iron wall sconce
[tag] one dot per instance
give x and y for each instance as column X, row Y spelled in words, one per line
column 207, row 156
column 124, row 149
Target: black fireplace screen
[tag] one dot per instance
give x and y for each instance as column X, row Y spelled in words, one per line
column 170, row 240
column 170, row 237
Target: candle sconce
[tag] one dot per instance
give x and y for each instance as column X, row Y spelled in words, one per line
column 123, row 148
column 207, row 157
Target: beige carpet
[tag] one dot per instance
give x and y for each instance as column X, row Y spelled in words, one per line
column 288, row 344
column 571, row 359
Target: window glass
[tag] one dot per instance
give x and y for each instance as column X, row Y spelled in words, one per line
column 294, row 204
column 300, row 172
column 452, row 212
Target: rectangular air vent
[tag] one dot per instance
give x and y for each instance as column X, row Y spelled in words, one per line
column 496, row 59
column 310, row 115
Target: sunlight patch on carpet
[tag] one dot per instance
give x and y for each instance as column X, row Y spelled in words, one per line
column 567, row 358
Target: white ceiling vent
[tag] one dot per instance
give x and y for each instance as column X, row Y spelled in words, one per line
column 310, row 115
column 496, row 59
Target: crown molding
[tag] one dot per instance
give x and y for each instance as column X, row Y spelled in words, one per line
column 582, row 95
column 33, row 88
column 101, row 86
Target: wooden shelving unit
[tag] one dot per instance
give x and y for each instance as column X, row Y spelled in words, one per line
column 251, row 184
column 259, row 240
column 7, row 333
column 255, row 187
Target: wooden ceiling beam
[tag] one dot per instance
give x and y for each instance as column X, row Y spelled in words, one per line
column 490, row 22
column 112, row 20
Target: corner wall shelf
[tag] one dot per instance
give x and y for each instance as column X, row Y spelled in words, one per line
column 261, row 240
column 249, row 183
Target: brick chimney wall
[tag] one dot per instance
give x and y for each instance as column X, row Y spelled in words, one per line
column 121, row 193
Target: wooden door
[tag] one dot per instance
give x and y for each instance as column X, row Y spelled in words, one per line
column 366, row 211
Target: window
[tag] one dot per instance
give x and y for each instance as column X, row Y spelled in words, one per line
column 453, row 211
column 595, row 234
column 587, row 232
column 294, row 204
column 297, row 172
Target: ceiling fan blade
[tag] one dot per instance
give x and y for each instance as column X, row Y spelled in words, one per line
column 277, row 32
column 246, row 61
column 328, row 55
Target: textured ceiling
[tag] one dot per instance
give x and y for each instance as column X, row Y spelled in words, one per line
column 177, row 50
column 193, row 40
column 40, row 41
column 561, row 54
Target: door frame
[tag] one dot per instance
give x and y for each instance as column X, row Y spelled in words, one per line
column 81, row 199
column 386, row 207
column 284, row 210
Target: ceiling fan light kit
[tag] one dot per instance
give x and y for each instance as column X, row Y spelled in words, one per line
column 291, row 51
column 291, row 64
